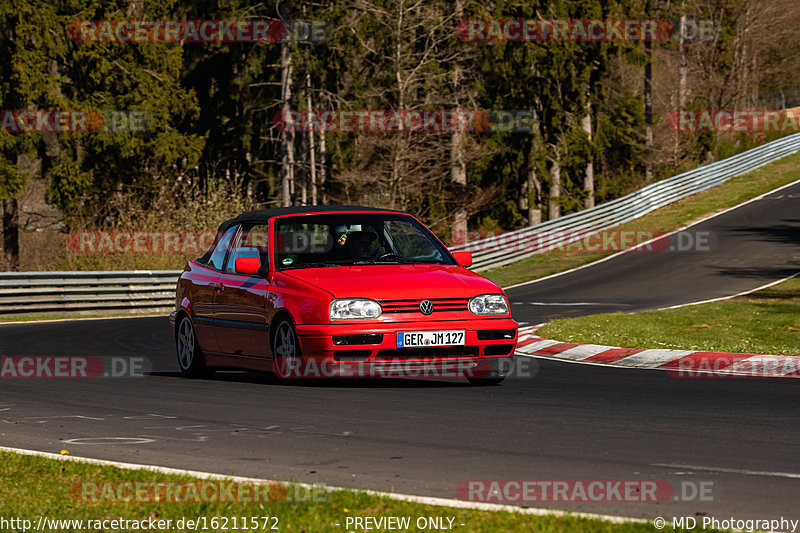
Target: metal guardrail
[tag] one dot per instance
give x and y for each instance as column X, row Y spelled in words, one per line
column 515, row 245
column 139, row 290
column 154, row 290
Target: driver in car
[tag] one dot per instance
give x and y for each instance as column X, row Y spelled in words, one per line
column 359, row 244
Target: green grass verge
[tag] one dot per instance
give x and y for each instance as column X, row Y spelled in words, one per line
column 763, row 322
column 668, row 218
column 34, row 486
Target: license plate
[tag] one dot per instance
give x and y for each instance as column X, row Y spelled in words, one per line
column 416, row 339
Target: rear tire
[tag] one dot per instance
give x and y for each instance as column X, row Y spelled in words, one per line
column 190, row 356
column 286, row 355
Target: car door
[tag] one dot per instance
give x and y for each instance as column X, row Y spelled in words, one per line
column 206, row 285
column 242, row 311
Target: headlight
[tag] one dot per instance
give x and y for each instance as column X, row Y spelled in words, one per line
column 354, row 308
column 489, row 304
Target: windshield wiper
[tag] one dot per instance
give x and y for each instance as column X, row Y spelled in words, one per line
column 311, row 265
column 387, row 259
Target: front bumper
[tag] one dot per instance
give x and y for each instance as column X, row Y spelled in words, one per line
column 486, row 340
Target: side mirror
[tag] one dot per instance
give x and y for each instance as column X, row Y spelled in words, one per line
column 248, row 265
column 463, row 258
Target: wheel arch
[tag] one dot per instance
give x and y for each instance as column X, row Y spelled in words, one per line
column 279, row 316
column 178, row 317
column 181, row 314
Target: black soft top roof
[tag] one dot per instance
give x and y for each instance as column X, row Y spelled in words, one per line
column 263, row 215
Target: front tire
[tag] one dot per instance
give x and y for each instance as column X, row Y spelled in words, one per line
column 286, row 355
column 190, row 356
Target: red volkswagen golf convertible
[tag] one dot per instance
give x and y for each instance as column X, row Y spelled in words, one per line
column 339, row 291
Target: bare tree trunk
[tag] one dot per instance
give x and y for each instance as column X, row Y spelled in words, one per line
column 741, row 63
column 752, row 87
column 287, row 136
column 683, row 66
column 530, row 192
column 554, row 206
column 11, row 233
column 530, row 188
column 301, row 175
column 648, row 110
column 588, row 177
column 323, row 168
column 311, row 146
column 394, row 190
column 301, row 171
column 458, row 172
column 458, row 164
column 397, row 174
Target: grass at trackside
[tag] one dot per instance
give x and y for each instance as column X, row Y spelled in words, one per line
column 31, row 487
column 763, row 322
column 669, row 218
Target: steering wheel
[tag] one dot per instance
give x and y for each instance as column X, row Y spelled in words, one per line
column 386, row 255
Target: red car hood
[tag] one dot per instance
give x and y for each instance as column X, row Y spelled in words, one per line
column 394, row 282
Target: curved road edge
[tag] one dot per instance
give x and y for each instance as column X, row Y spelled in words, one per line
column 686, row 364
column 425, row 500
column 644, row 245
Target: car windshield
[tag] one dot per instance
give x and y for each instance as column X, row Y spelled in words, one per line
column 311, row 241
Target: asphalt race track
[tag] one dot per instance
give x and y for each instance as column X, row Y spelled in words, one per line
column 736, row 251
column 736, row 437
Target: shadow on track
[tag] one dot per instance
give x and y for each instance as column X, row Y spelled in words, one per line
column 268, row 379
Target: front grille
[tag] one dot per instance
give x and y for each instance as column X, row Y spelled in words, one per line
column 367, row 338
column 412, row 305
column 444, row 352
column 496, row 334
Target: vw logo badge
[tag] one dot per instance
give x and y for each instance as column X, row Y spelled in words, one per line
column 426, row 306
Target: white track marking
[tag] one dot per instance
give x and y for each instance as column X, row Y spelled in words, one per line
column 148, row 416
column 544, row 343
column 425, row 500
column 721, row 298
column 713, row 215
column 584, row 351
column 653, row 357
column 109, row 440
column 744, row 472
